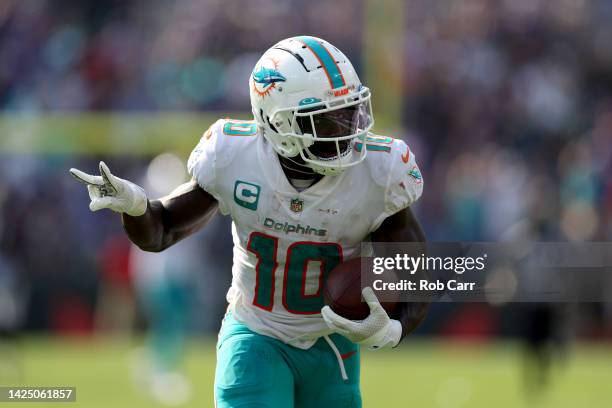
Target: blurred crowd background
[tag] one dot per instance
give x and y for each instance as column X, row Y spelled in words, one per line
column 507, row 106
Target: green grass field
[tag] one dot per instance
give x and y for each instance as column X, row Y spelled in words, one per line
column 420, row 374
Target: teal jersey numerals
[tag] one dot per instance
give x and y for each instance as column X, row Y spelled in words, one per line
column 299, row 256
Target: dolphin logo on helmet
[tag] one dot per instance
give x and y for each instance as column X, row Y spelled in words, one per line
column 267, row 76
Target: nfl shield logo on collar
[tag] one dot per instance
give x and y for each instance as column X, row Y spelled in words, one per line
column 297, row 205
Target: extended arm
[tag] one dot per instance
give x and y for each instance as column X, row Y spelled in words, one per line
column 152, row 225
column 404, row 227
column 171, row 218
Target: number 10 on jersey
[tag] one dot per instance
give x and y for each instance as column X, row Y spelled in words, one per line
column 297, row 259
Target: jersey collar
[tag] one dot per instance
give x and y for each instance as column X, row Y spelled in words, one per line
column 275, row 175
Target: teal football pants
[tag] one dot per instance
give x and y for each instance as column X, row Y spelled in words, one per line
column 257, row 371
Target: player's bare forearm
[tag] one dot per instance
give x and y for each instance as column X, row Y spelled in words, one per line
column 171, row 218
column 404, row 227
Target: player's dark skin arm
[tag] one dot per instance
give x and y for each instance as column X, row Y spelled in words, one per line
column 404, row 227
column 171, row 218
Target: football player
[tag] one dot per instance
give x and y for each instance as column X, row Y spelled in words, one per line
column 305, row 183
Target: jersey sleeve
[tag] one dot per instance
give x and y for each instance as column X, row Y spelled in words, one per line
column 203, row 163
column 404, row 182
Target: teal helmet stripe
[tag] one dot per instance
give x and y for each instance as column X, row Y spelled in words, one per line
column 336, row 79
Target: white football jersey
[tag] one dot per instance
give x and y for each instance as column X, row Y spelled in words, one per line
column 285, row 241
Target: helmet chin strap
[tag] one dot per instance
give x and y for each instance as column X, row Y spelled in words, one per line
column 300, row 176
column 306, row 170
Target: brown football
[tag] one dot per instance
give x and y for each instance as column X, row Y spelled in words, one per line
column 342, row 290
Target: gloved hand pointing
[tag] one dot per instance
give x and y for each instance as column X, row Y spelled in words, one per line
column 114, row 193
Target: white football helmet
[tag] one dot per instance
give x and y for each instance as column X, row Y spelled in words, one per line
column 309, row 101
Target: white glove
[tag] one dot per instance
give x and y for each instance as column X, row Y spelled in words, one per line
column 108, row 191
column 378, row 330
